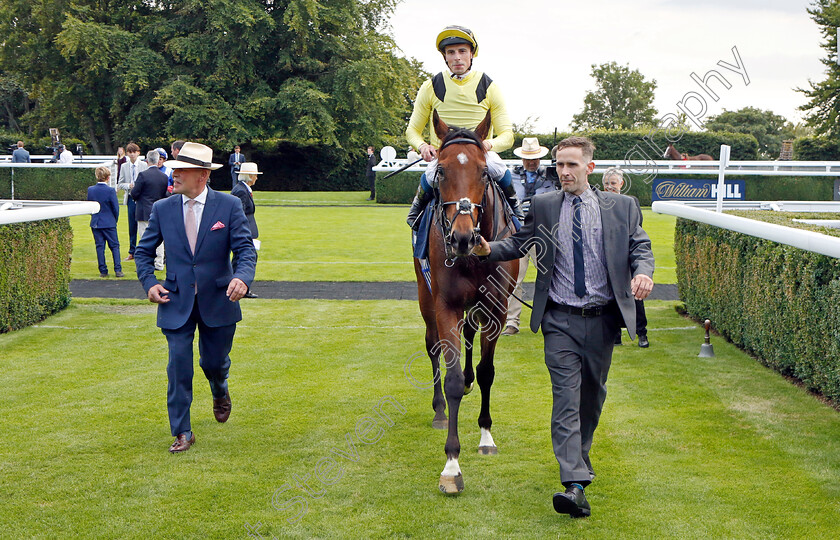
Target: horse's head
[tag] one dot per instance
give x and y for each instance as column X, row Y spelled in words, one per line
column 462, row 180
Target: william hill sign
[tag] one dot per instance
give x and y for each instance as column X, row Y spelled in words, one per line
column 669, row 189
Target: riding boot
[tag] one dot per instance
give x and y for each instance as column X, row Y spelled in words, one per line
column 420, row 201
column 514, row 203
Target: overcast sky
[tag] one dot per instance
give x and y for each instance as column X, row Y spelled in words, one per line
column 541, row 51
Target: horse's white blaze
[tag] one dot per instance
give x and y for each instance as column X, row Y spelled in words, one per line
column 462, row 158
column 452, row 468
column 486, row 438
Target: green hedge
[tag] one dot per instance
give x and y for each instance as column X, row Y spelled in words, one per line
column 47, row 184
column 777, row 302
column 617, row 144
column 816, row 149
column 34, row 271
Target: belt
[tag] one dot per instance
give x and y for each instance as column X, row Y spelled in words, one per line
column 586, row 312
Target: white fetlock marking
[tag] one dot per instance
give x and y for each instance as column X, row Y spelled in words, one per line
column 486, row 438
column 462, row 158
column 452, row 468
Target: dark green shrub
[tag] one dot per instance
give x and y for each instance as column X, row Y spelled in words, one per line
column 34, row 271
column 779, row 303
column 816, row 149
column 47, row 184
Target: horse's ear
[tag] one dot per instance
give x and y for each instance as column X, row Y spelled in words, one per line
column 441, row 129
column 483, row 129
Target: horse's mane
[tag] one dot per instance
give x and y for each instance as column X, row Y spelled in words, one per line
column 461, row 133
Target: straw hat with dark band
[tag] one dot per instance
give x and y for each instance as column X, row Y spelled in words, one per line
column 193, row 156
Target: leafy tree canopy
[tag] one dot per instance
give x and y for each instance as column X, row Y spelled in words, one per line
column 109, row 71
column 622, row 99
column 768, row 128
column 823, row 105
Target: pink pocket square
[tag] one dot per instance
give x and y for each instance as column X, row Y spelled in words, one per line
column 218, row 225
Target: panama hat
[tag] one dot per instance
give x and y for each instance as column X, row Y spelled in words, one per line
column 249, row 168
column 193, row 156
column 531, row 149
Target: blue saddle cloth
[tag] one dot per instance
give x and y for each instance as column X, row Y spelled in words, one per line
column 421, row 237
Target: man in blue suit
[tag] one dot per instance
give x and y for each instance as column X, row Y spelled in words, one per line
column 20, row 155
column 201, row 228
column 236, row 159
column 104, row 223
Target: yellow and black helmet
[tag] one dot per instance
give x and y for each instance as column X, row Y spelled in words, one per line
column 454, row 35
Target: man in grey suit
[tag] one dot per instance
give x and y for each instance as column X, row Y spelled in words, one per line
column 20, row 155
column 593, row 258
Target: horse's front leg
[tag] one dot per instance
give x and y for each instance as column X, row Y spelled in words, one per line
column 449, row 330
column 486, row 371
column 469, row 336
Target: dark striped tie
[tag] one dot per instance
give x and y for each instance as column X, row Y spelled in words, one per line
column 577, row 249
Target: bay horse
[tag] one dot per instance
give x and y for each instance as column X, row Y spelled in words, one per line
column 673, row 153
column 465, row 292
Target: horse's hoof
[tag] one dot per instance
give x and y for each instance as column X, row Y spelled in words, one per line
column 468, row 389
column 488, row 450
column 451, row 485
column 440, row 423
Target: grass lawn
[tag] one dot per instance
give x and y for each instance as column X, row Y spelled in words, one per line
column 687, row 447
column 338, row 243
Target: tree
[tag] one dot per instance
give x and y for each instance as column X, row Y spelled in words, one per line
column 622, row 99
column 768, row 128
column 823, row 107
column 309, row 72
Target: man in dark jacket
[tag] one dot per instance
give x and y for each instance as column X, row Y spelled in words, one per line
column 613, row 180
column 149, row 188
column 371, row 175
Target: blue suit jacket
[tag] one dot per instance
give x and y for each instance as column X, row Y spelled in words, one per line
column 223, row 230
column 109, row 208
column 241, row 190
column 20, row 155
column 234, row 165
column 149, row 188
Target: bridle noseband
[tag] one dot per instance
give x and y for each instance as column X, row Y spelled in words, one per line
column 464, row 205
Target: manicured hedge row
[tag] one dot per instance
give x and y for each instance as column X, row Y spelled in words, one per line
column 47, row 184
column 777, row 302
column 34, row 271
column 617, row 144
column 816, row 149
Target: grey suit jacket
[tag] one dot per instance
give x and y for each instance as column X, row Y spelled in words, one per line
column 124, row 181
column 626, row 245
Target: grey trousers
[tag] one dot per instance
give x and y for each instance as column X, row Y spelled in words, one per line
column 578, row 352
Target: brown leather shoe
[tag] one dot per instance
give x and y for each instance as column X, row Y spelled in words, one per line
column 181, row 443
column 221, row 408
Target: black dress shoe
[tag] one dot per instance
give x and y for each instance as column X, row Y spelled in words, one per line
column 249, row 294
column 643, row 342
column 573, row 502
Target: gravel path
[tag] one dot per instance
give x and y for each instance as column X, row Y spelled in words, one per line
column 322, row 290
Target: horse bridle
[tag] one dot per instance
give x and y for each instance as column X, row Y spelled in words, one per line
column 464, row 205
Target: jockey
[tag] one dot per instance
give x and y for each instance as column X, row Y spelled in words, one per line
column 462, row 98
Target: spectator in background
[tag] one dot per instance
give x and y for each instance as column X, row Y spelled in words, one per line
column 235, row 161
column 163, row 156
column 120, row 160
column 149, row 188
column 242, row 188
column 65, row 156
column 371, row 175
column 528, row 180
column 412, row 156
column 20, row 155
column 103, row 224
column 613, row 180
column 126, row 179
column 175, row 148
